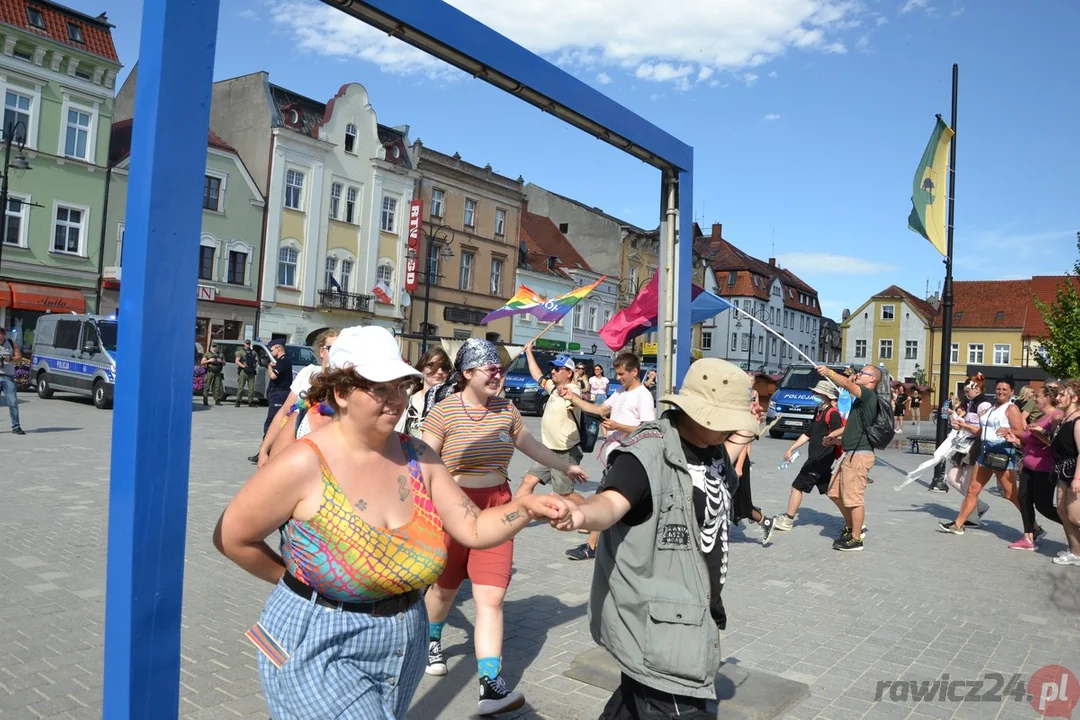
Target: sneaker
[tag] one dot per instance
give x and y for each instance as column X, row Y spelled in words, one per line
column 17, row 431
column 581, row 552
column 1022, row 544
column 783, row 523
column 938, row 486
column 950, row 527
column 1067, row 558
column 869, row 479
column 846, row 532
column 435, row 663
column 1040, row 535
column 767, row 527
column 848, row 544
column 254, row 458
column 496, row 698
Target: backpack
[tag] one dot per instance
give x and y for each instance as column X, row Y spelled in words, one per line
column 881, row 431
column 838, row 449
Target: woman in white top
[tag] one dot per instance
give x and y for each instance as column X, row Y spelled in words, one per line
column 598, row 385
column 435, row 365
column 997, row 457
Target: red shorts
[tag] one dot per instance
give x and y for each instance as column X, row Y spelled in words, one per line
column 483, row 567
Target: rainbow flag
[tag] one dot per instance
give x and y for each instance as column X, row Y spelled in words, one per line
column 555, row 308
column 524, row 301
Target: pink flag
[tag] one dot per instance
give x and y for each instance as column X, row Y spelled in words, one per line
column 635, row 319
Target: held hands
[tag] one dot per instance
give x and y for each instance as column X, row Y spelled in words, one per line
column 552, row 507
column 574, row 520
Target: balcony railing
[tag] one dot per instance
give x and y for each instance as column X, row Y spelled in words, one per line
column 337, row 300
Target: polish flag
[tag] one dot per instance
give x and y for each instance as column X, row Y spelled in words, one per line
column 382, row 293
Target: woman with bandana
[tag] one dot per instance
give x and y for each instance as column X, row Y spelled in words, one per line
column 476, row 432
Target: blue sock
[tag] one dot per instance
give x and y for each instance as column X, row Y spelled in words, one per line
column 489, row 667
column 435, row 630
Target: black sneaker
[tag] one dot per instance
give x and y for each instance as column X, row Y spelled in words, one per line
column 938, row 486
column 581, row 552
column 846, row 532
column 435, row 663
column 17, row 431
column 496, row 698
column 254, row 458
column 767, row 527
column 848, row 544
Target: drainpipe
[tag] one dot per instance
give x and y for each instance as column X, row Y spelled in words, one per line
column 262, row 245
column 101, row 245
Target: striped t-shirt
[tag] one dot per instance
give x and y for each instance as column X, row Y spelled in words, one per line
column 475, row 441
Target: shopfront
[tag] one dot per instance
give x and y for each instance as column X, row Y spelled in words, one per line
column 21, row 304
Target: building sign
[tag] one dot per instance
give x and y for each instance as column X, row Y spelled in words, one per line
column 207, row 292
column 412, row 252
column 545, row 344
column 650, row 348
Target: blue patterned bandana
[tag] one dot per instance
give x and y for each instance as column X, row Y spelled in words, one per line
column 473, row 353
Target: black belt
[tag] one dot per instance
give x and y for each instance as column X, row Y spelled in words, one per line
column 378, row 608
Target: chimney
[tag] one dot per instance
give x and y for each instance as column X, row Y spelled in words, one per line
column 772, row 262
column 717, row 231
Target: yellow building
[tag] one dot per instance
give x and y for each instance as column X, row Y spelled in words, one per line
column 892, row 328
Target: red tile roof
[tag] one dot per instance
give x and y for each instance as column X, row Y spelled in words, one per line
column 543, row 241
column 120, row 142
column 989, row 304
column 1045, row 288
column 96, row 35
column 923, row 307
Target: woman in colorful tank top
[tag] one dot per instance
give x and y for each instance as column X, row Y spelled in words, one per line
column 476, row 433
column 361, row 512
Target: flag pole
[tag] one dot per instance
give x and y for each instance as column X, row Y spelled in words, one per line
column 782, row 339
column 947, row 295
column 550, row 325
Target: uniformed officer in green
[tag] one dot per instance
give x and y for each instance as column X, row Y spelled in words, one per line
column 247, row 366
column 214, row 364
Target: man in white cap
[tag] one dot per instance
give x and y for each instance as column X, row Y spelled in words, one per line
column 816, row 472
column 663, row 512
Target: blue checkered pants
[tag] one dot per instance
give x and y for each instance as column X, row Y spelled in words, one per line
column 341, row 664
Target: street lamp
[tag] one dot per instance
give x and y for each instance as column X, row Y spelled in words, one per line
column 19, row 165
column 760, row 315
column 446, row 234
column 594, row 348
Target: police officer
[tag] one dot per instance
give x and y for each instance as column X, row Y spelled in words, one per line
column 247, row 366
column 214, row 364
column 279, row 379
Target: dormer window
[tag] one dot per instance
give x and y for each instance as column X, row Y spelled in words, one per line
column 75, row 33
column 999, row 315
column 35, row 17
column 350, row 138
column 84, row 74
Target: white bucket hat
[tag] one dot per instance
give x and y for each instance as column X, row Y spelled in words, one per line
column 717, row 395
column 372, row 352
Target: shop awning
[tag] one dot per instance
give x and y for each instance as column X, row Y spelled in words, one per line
column 5, row 294
column 43, row 298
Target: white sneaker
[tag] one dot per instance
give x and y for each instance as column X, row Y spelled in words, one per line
column 1067, row 558
column 435, row 663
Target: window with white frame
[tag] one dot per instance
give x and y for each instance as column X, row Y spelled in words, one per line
column 745, row 342
column 434, row 262
column 69, row 230
column 465, row 272
column 975, row 353
column 385, row 274
column 500, row 222
column 1001, row 354
column 18, row 210
column 607, row 315
column 237, row 271
column 346, row 274
column 438, row 198
column 774, row 346
column 911, row 349
column 294, row 189
column 350, row 205
column 888, row 312
column 206, row 262
column 885, row 349
column 330, row 269
column 350, row 138
column 288, row 259
column 706, row 340
column 579, row 317
column 954, row 353
column 77, row 133
column 734, row 342
column 119, row 244
column 389, row 214
column 17, row 109
column 760, row 345
column 860, row 348
column 496, row 276
column 212, row 187
column 470, row 213
column 594, row 318
column 335, row 201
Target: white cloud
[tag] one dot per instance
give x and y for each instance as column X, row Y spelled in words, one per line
column 770, row 117
column 750, row 78
column 603, row 78
column 881, row 20
column 773, row 74
column 247, row 14
column 828, row 264
column 682, row 44
column 914, row 5
column 863, row 43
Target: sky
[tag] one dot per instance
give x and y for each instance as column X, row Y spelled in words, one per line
column 807, row 117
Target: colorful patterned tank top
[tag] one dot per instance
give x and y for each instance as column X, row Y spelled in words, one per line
column 345, row 559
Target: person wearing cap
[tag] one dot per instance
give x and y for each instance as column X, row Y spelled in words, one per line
column 361, row 512
column 558, row 426
column 247, row 367
column 816, row 472
column 279, row 377
column 212, row 385
column 663, row 512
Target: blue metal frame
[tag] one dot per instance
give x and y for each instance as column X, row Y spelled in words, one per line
column 152, row 417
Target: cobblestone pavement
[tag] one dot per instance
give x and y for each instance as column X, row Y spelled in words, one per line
column 914, row 605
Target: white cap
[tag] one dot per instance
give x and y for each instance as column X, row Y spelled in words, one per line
column 372, row 352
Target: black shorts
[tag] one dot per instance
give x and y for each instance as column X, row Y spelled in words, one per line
column 634, row 701
column 814, row 475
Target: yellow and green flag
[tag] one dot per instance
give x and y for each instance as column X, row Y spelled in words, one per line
column 928, row 195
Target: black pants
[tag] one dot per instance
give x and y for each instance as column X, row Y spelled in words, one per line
column 275, row 398
column 634, row 701
column 1036, row 493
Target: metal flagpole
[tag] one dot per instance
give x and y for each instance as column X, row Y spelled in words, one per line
column 947, row 297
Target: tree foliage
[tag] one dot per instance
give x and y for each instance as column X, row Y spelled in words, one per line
column 1059, row 355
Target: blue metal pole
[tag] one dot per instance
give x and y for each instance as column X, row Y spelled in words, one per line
column 151, row 439
column 685, row 259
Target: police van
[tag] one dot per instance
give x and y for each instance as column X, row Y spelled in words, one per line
column 75, row 354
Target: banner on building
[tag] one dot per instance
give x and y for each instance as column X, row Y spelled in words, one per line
column 412, row 250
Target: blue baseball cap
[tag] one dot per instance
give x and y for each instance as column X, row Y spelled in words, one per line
column 275, row 341
column 563, row 360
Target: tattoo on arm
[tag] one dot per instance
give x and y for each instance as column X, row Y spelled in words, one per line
column 469, row 507
column 361, row 504
column 510, row 517
column 403, row 488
